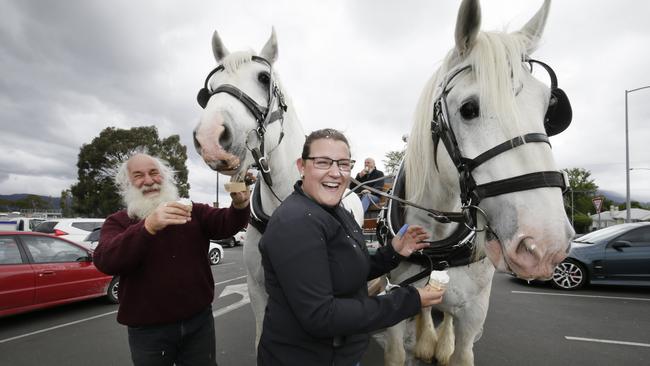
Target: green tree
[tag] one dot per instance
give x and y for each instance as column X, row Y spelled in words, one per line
column 95, row 193
column 393, row 159
column 32, row 202
column 65, row 203
column 578, row 201
column 633, row 204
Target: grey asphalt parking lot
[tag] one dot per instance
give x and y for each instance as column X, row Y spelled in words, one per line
column 527, row 324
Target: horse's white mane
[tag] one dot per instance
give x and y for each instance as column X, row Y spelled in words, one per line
column 491, row 58
column 233, row 61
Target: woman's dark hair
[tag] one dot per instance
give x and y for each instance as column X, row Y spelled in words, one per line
column 325, row 133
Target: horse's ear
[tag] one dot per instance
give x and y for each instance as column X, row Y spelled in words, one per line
column 270, row 50
column 468, row 24
column 220, row 51
column 535, row 27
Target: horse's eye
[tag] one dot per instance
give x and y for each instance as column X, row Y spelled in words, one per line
column 264, row 78
column 469, row 110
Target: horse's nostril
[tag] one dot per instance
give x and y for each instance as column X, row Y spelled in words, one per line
column 225, row 139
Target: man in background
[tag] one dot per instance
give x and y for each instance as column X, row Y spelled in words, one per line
column 372, row 175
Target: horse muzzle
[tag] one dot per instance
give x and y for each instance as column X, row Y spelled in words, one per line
column 527, row 258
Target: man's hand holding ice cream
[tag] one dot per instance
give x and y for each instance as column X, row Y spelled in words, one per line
column 168, row 213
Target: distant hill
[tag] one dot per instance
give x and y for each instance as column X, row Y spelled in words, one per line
column 610, row 195
column 7, row 201
column 619, row 197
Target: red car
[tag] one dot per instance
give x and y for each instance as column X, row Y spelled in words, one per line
column 39, row 270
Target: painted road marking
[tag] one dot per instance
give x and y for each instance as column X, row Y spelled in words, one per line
column 586, row 296
column 241, row 289
column 216, row 313
column 56, row 327
column 607, row 341
column 230, row 280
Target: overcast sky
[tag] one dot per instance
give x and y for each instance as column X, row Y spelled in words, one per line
column 72, row 68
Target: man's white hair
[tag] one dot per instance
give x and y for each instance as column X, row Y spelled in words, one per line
column 137, row 205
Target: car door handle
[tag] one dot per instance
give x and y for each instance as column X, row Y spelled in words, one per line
column 46, row 273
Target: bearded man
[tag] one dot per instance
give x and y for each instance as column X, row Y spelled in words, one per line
column 159, row 248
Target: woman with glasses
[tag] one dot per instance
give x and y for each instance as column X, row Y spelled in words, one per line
column 316, row 266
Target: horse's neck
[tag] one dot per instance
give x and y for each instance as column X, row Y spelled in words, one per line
column 282, row 162
column 440, row 196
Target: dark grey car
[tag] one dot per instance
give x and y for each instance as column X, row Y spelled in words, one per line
column 617, row 255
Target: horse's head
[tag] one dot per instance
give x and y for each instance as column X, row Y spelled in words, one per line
column 491, row 121
column 240, row 98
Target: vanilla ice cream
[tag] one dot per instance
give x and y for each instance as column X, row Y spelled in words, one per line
column 438, row 280
column 185, row 202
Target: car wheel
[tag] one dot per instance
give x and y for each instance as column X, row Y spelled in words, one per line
column 111, row 293
column 569, row 275
column 215, row 256
column 232, row 242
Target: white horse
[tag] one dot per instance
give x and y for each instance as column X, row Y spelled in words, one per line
column 482, row 96
column 249, row 119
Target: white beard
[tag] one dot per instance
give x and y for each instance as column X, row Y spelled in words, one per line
column 140, row 206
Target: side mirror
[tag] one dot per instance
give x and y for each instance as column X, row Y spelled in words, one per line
column 619, row 245
column 87, row 258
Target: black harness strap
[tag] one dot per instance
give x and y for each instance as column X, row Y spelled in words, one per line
column 258, row 219
column 505, row 146
column 521, row 183
column 258, row 111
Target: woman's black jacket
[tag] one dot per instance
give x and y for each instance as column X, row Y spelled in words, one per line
column 316, row 266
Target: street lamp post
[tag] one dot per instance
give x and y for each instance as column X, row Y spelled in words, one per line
column 627, row 157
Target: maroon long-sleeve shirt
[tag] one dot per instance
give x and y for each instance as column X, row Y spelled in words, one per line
column 164, row 277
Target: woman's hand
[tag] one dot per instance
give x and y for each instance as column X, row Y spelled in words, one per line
column 430, row 296
column 409, row 241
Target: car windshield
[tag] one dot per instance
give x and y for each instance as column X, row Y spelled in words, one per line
column 94, row 236
column 33, row 223
column 46, row 227
column 602, row 234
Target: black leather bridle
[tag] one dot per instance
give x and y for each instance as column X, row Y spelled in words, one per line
column 471, row 193
column 263, row 115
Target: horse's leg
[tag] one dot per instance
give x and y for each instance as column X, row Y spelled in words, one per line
column 394, row 353
column 255, row 280
column 446, row 339
column 468, row 327
column 426, row 336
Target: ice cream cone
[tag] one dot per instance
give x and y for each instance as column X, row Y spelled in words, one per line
column 185, row 202
column 438, row 280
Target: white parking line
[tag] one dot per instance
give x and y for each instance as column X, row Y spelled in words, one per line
column 91, row 318
column 587, row 296
column 230, row 280
column 56, row 327
column 607, row 341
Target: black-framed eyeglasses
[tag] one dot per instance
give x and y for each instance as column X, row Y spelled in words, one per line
column 321, row 162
